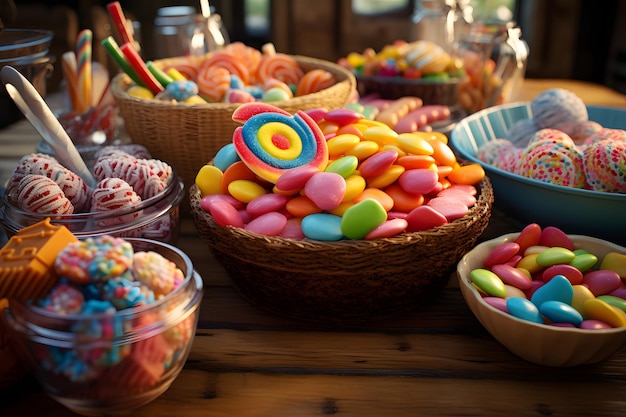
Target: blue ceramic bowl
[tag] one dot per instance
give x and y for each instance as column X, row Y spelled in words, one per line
column 575, row 211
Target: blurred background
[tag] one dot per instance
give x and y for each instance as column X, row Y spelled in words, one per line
column 573, row 39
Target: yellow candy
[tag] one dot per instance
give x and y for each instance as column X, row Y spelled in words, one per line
column 341, row 144
column 355, row 184
column 615, row 262
column 341, row 208
column 386, row 178
column 382, row 135
column 364, row 149
column 596, row 309
column 393, row 147
column 529, row 263
column 195, row 100
column 414, row 144
column 581, row 295
column 245, row 190
column 209, row 180
column 140, row 92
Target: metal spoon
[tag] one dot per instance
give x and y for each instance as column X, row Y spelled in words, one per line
column 41, row 117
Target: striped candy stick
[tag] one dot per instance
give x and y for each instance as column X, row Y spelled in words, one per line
column 68, row 62
column 83, row 66
column 142, row 71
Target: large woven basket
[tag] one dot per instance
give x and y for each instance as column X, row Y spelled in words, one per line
column 189, row 135
column 343, row 282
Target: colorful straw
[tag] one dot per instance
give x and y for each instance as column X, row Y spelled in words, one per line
column 68, row 65
column 83, row 67
column 115, row 52
column 161, row 76
column 142, row 71
column 119, row 22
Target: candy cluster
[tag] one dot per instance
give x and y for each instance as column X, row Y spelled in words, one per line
column 561, row 146
column 125, row 176
column 235, row 74
column 541, row 277
column 332, row 175
column 409, row 60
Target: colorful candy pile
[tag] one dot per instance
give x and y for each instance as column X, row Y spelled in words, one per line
column 125, row 176
column 541, row 277
column 332, row 175
column 560, row 145
column 235, row 74
column 86, row 283
column 404, row 115
column 409, row 60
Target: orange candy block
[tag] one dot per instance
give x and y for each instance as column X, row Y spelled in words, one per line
column 27, row 260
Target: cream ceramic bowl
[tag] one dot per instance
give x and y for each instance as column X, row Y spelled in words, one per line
column 539, row 343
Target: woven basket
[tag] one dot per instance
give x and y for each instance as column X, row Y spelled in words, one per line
column 444, row 93
column 189, row 135
column 343, row 282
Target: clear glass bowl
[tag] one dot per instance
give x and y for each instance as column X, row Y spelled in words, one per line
column 156, row 218
column 105, row 364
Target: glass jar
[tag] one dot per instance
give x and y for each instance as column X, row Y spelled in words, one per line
column 107, row 363
column 157, row 217
column 511, row 57
column 433, row 20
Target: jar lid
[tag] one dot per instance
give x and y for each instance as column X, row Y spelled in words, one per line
column 18, row 43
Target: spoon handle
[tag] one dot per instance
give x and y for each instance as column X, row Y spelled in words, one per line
column 41, row 117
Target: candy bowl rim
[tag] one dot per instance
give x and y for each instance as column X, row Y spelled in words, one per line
column 507, row 329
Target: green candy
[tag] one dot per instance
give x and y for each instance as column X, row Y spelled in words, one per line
column 344, row 166
column 555, row 255
column 489, row 282
column 362, row 218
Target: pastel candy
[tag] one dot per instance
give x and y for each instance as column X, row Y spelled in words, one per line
column 294, row 179
column 245, row 190
column 596, row 309
column 225, row 214
column 512, row 276
column 602, row 281
column 342, row 116
column 529, row 236
column 269, row 224
column 501, row 254
column 523, row 309
column 209, row 180
column 418, row 181
column 557, row 289
column 377, row 164
column 594, row 325
column 323, row 227
column 553, row 236
column 225, row 157
column 555, row 255
column 207, row 200
column 614, row 301
column 424, row 218
column 362, row 218
column 571, row 273
column 584, row 261
column 390, row 228
column 615, row 262
column 326, row 189
column 344, row 166
column 488, row 282
column 497, row 302
column 560, row 312
column 581, row 294
column 451, row 208
column 181, row 90
column 266, row 203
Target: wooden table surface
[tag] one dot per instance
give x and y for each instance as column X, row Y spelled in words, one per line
column 436, row 361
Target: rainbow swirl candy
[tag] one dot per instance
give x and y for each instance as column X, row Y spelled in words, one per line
column 272, row 140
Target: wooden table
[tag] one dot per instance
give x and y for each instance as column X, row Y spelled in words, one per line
column 437, row 361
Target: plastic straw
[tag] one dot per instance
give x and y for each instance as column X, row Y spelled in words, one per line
column 115, row 52
column 83, row 67
column 141, row 69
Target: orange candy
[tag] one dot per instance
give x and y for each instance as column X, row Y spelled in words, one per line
column 467, row 174
column 237, row 171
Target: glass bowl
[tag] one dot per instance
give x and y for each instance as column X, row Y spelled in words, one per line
column 156, row 218
column 104, row 364
column 539, row 343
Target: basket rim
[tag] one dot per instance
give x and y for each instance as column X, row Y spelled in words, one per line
column 121, row 82
column 481, row 208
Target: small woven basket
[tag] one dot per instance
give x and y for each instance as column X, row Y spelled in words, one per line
column 348, row 281
column 189, row 135
column 445, row 93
